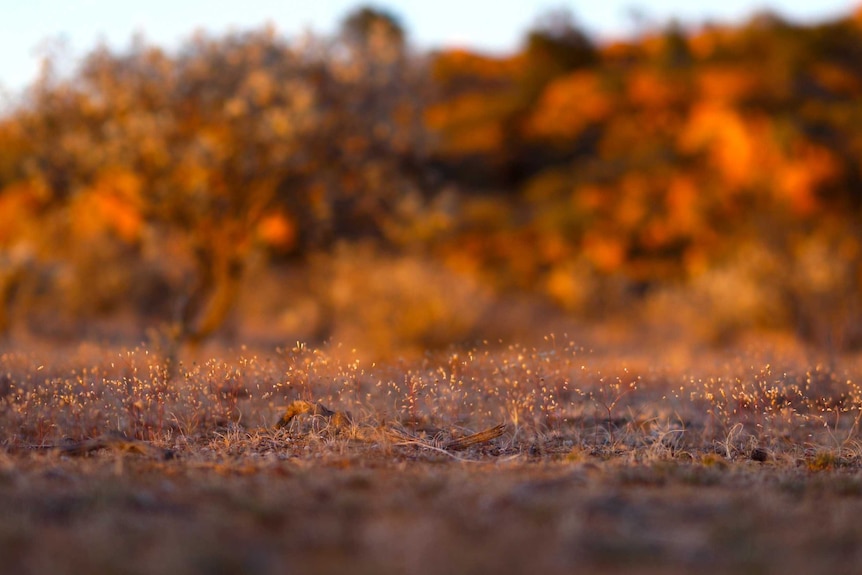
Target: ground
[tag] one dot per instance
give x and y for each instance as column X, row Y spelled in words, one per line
column 742, row 461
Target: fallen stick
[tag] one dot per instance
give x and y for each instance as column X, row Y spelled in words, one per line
column 340, row 419
column 109, row 441
column 485, row 436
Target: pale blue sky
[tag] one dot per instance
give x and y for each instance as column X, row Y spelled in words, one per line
column 493, row 25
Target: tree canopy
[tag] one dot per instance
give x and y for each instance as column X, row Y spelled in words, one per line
column 562, row 169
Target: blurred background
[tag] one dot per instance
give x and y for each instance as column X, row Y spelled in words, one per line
column 407, row 176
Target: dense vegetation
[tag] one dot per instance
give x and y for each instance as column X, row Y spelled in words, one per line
column 352, row 187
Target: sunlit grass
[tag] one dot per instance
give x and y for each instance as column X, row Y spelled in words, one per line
column 555, row 399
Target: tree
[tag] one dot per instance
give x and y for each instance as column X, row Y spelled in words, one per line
column 373, row 29
column 555, row 46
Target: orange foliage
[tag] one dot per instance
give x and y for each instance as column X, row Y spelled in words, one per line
column 651, row 89
column 477, row 139
column 591, row 197
column 728, row 139
column 605, row 250
column 684, row 210
column 117, row 195
column 19, row 206
column 100, row 211
column 836, row 79
column 727, row 85
column 568, row 105
column 278, row 231
column 470, row 124
column 461, row 63
column 618, row 51
column 653, row 45
column 634, row 201
column 705, row 43
column 803, row 174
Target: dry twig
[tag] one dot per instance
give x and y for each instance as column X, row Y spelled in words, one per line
column 111, row 441
column 340, row 419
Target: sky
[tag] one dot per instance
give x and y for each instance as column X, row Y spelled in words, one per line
column 29, row 28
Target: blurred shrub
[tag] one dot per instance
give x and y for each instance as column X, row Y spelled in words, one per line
column 824, row 291
column 807, row 285
column 742, row 293
column 387, row 304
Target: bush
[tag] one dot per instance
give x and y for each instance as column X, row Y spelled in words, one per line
column 383, row 303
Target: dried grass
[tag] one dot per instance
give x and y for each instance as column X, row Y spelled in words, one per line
column 306, row 459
